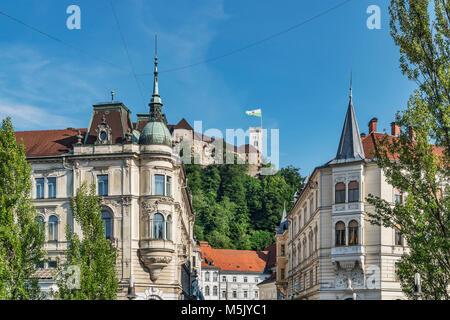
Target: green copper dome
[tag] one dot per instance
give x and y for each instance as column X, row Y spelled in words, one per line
column 155, row 133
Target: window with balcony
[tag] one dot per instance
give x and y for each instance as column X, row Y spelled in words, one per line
column 51, row 185
column 159, row 184
column 107, row 223
column 340, row 192
column 353, row 232
column 169, row 228
column 40, row 188
column 41, row 223
column 102, row 185
column 168, row 186
column 340, row 234
column 353, row 191
column 53, row 228
column 157, row 222
column 398, row 236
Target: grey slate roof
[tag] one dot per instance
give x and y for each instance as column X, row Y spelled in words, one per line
column 350, row 147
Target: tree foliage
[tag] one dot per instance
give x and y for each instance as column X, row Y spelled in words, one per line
column 421, row 168
column 21, row 236
column 93, row 254
column 236, row 211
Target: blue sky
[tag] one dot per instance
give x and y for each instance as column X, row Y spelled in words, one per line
column 299, row 79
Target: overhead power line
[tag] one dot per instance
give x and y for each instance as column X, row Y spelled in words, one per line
column 60, row 41
column 127, row 52
column 253, row 44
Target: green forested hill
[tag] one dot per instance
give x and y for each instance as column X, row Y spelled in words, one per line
column 236, row 211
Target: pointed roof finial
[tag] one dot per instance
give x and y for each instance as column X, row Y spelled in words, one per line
column 112, row 95
column 351, row 84
column 155, row 101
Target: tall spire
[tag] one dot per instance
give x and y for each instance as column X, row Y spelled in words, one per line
column 155, row 101
column 350, row 146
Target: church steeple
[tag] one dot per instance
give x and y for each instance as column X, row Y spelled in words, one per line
column 156, row 102
column 283, row 217
column 350, row 146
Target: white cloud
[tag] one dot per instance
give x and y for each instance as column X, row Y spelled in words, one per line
column 26, row 117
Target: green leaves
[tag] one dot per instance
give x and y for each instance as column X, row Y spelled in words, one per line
column 91, row 252
column 421, row 170
column 21, row 238
column 236, row 211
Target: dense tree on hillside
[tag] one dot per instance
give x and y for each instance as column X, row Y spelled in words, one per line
column 21, row 235
column 237, row 211
column 421, row 30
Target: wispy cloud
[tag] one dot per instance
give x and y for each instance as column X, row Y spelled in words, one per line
column 27, row 117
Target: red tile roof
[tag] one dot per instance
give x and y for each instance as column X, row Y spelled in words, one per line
column 372, row 141
column 48, row 142
column 233, row 260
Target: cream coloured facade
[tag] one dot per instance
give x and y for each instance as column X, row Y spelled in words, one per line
column 334, row 252
column 142, row 185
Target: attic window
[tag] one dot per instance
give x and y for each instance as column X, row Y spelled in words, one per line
column 250, row 267
column 237, row 266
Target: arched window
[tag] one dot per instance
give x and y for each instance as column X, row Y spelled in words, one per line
column 158, row 226
column 41, row 223
column 353, row 191
column 398, row 236
column 107, row 222
column 215, row 276
column 53, row 228
column 339, row 190
column 340, row 234
column 215, row 291
column 353, row 231
column 169, row 228
column 207, row 291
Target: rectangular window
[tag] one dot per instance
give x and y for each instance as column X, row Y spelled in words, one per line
column 340, row 196
column 235, row 294
column 52, row 264
column 51, row 183
column 40, row 188
column 168, row 186
column 224, row 279
column 245, row 294
column 234, row 279
column 159, row 184
column 282, row 250
column 102, row 181
column 282, row 274
column 256, row 294
column 245, row 279
column 311, row 278
column 224, row 294
column 398, row 198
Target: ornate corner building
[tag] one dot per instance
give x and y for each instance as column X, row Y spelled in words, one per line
column 331, row 249
column 147, row 210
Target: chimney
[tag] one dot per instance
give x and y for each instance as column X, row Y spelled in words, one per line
column 373, row 125
column 395, row 129
column 362, row 135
